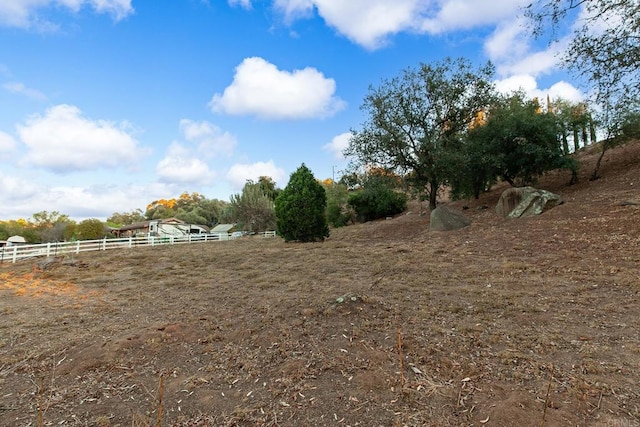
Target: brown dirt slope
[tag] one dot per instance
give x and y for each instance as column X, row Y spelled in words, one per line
column 504, row 323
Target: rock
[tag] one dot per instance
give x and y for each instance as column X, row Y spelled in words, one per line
column 522, row 202
column 47, row 263
column 447, row 219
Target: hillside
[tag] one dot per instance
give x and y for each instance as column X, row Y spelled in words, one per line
column 504, row 323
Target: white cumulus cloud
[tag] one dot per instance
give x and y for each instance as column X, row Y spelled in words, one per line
column 240, row 173
column 19, row 197
column 509, row 40
column 64, row 141
column 534, row 63
column 180, row 165
column 369, row 23
column 22, row 198
column 260, row 88
column 30, row 13
column 7, row 143
column 338, row 145
column 209, row 138
column 529, row 85
column 96, row 201
column 454, row 15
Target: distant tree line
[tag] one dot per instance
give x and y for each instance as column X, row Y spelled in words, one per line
column 44, row 227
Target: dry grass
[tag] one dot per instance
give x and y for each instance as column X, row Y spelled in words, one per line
column 523, row 322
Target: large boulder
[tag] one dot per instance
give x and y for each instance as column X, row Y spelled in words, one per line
column 521, row 202
column 447, row 219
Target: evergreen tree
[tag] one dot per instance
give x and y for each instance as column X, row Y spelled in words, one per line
column 300, row 208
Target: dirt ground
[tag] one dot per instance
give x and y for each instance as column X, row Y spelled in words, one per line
column 525, row 322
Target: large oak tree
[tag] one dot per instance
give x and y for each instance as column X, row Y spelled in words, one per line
column 416, row 119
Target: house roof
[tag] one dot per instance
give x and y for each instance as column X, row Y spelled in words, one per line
column 134, row 226
column 222, row 228
column 145, row 224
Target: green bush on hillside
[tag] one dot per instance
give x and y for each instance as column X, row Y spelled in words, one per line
column 377, row 202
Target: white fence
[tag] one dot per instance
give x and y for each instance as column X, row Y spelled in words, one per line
column 20, row 252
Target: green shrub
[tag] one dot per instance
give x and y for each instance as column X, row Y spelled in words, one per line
column 337, row 211
column 377, row 202
column 300, row 208
column 91, row 229
column 336, row 215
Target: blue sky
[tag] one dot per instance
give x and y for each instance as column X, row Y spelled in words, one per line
column 107, row 105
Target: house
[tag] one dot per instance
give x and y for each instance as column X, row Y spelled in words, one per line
column 160, row 228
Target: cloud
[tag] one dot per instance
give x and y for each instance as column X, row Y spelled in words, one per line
column 26, row 13
column 338, row 145
column 369, row 23
column 64, row 141
column 99, row 201
column 7, row 143
column 210, row 139
column 184, row 162
column 529, row 85
column 21, row 198
column 260, row 89
column 465, row 14
column 16, row 191
column 181, row 166
column 536, row 63
column 245, row 4
column 508, row 40
column 294, row 9
column 19, row 88
column 511, row 48
column 240, row 173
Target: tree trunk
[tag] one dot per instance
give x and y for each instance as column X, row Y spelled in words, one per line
column 433, row 194
column 476, row 194
column 592, row 131
column 596, row 171
column 565, row 140
column 576, row 138
column 508, row 179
